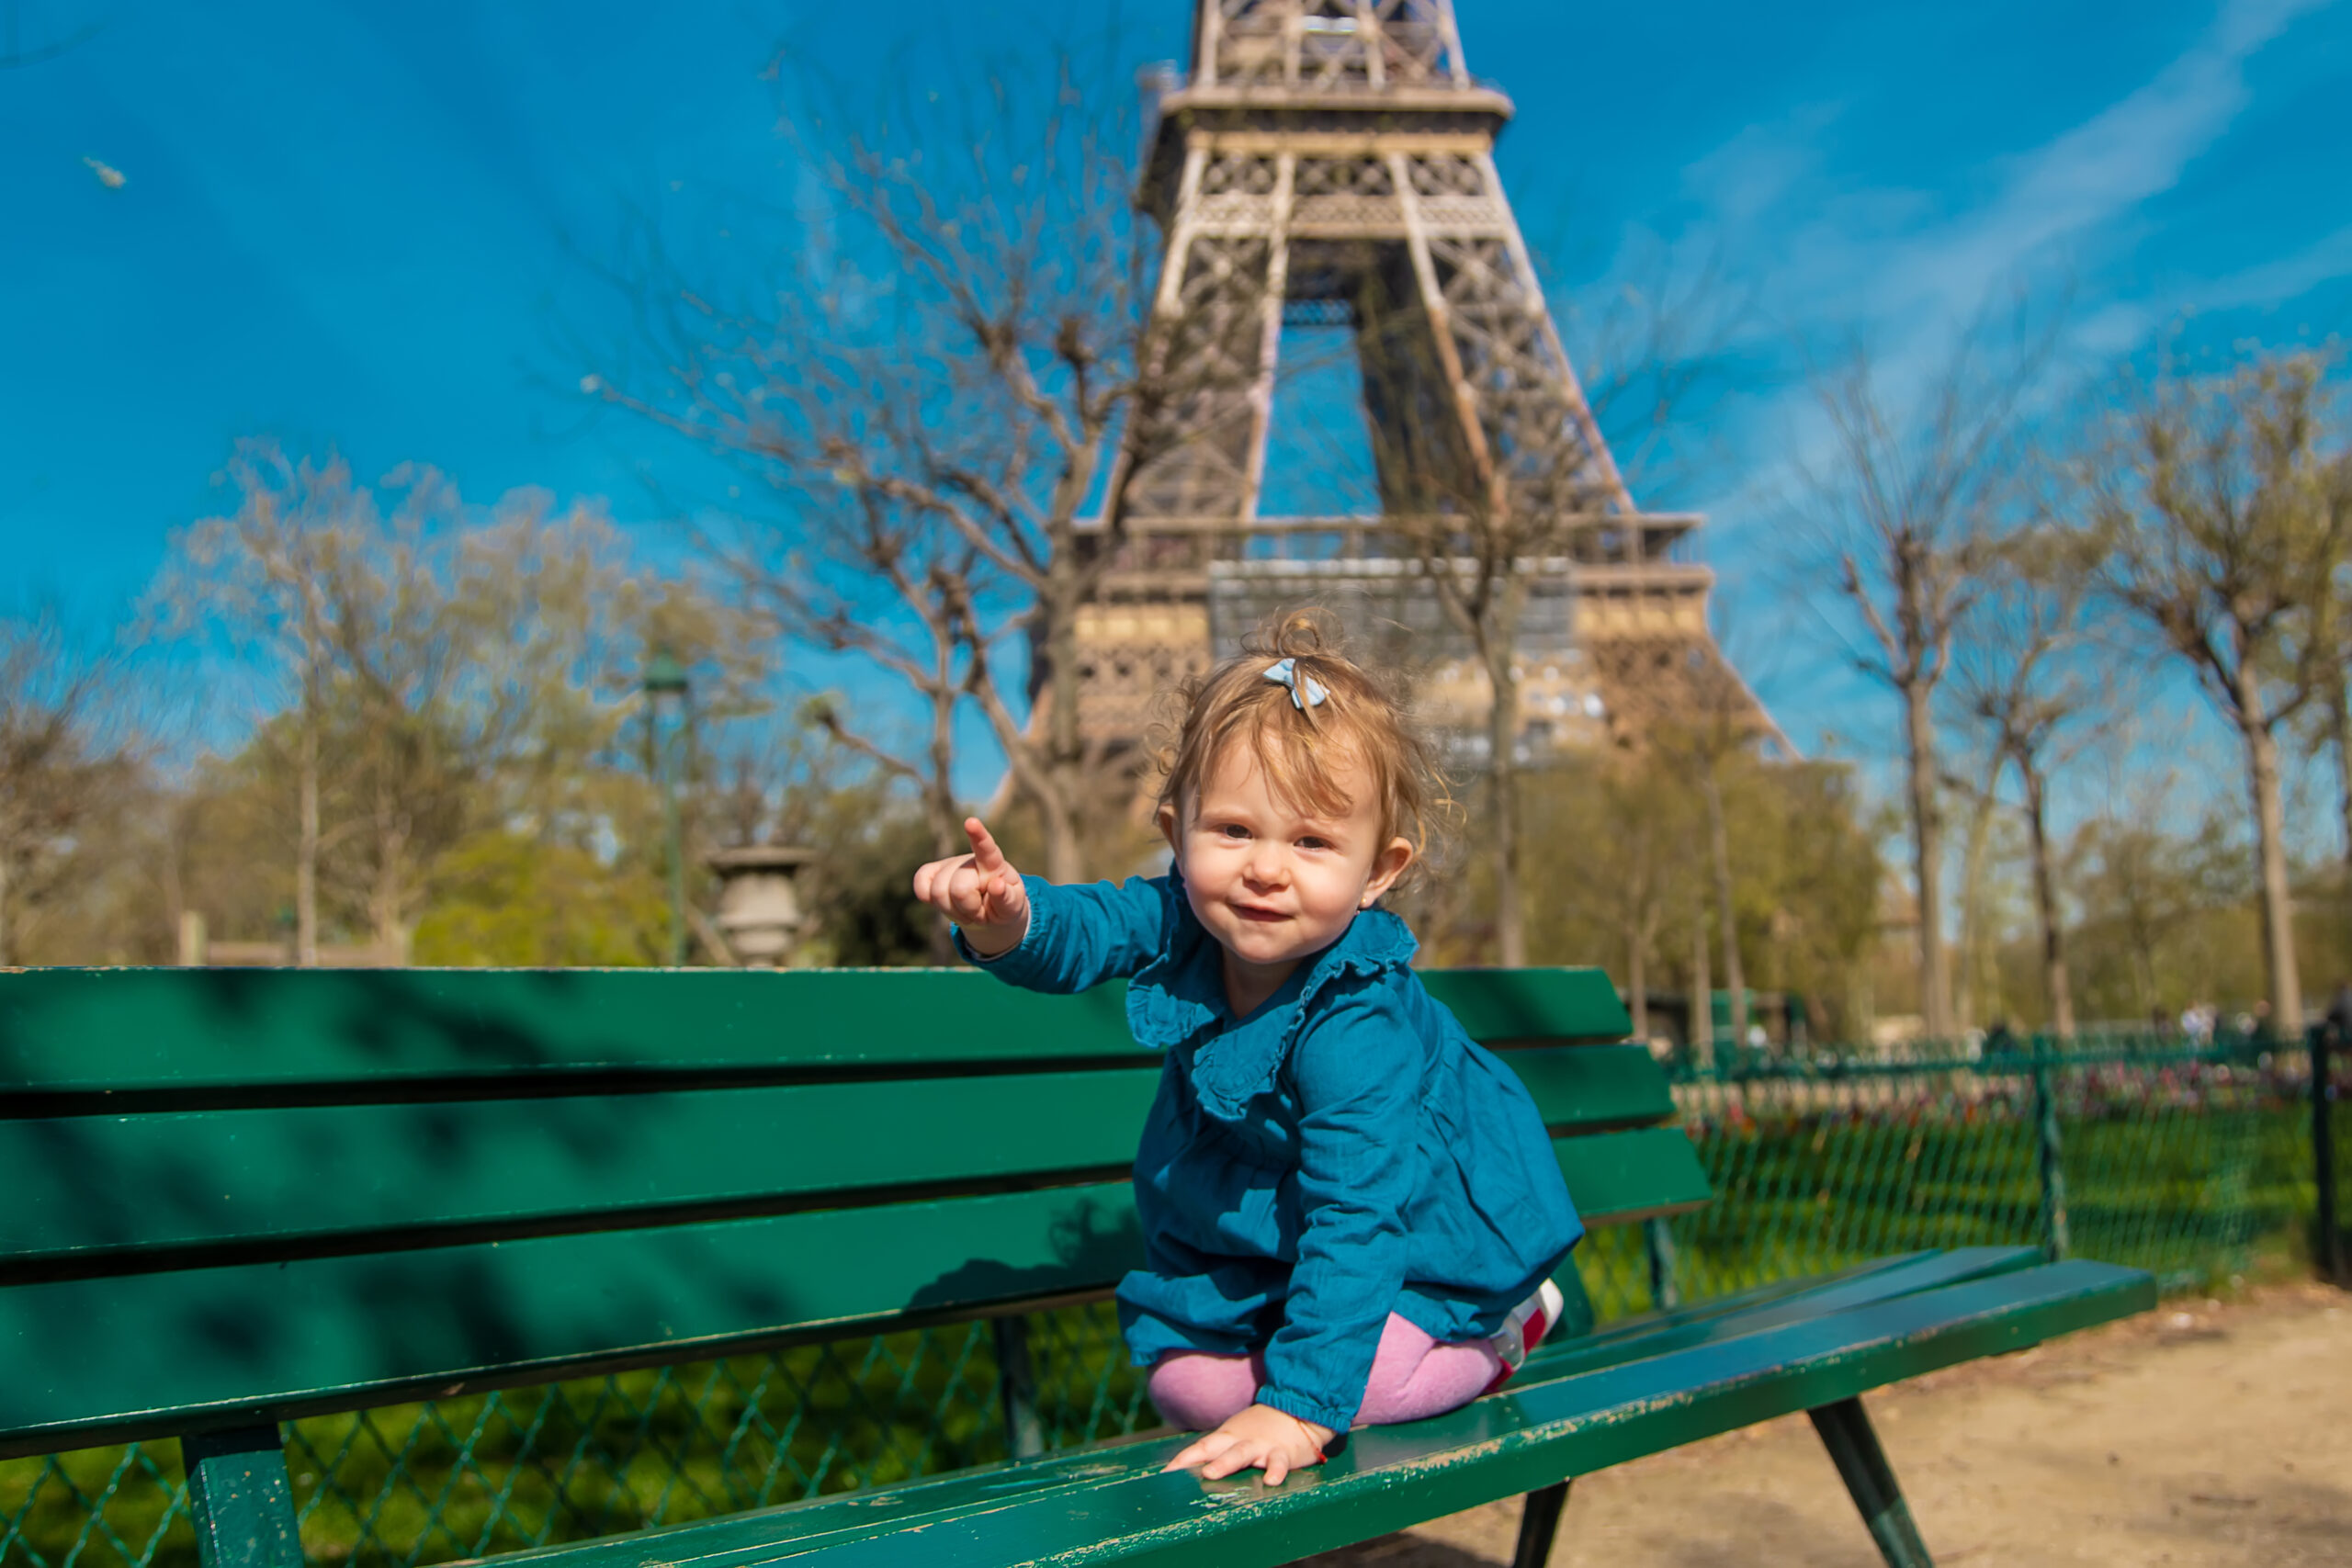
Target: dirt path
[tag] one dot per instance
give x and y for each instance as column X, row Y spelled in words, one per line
column 2206, row 1433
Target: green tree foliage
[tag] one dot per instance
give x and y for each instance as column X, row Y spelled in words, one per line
column 431, row 677
column 1619, row 843
column 2224, row 507
column 513, row 900
column 2164, row 917
column 71, row 775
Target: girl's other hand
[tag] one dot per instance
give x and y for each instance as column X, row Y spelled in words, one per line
column 1261, row 1438
column 980, row 892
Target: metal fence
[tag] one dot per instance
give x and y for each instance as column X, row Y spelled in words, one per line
column 2196, row 1165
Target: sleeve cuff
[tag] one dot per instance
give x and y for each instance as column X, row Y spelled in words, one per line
column 984, row 960
column 1307, row 1409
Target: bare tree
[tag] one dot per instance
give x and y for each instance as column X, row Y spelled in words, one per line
column 346, row 614
column 887, row 575
column 1514, row 478
column 68, row 762
column 430, row 669
column 2327, row 720
column 1707, row 721
column 267, row 581
column 967, row 402
column 2225, row 517
column 1623, row 819
column 2334, row 715
column 2017, row 676
column 1977, row 959
column 936, row 647
column 1906, row 511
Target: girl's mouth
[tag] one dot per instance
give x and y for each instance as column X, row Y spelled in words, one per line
column 1248, row 913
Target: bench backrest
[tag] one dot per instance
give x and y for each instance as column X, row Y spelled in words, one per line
column 236, row 1197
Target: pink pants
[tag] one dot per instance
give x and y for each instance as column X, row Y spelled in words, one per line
column 1412, row 1376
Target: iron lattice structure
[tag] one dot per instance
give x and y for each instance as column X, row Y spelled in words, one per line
column 1331, row 162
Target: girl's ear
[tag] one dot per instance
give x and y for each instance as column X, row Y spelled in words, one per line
column 1167, row 818
column 1387, row 867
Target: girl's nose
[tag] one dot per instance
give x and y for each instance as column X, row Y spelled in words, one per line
column 1267, row 864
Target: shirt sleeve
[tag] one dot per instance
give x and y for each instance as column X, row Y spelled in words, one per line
column 1357, row 1071
column 1083, row 935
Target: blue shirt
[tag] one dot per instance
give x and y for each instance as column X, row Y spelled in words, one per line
column 1340, row 1153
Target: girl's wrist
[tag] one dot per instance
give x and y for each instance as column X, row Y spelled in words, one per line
column 995, row 941
column 1316, row 1433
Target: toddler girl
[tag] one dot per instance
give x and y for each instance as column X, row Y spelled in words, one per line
column 1351, row 1212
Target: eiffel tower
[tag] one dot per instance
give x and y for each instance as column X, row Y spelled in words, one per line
column 1330, row 162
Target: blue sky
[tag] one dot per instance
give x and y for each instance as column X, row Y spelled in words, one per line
column 365, row 224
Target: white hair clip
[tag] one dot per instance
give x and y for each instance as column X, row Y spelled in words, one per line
column 1306, row 691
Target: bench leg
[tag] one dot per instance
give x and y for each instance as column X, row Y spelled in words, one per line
column 1016, row 1379
column 1539, row 1522
column 241, row 1500
column 1846, row 1432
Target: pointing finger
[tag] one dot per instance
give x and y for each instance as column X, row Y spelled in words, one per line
column 986, row 856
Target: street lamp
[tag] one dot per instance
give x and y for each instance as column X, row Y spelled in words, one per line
column 665, row 694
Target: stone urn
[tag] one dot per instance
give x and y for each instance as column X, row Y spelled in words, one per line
column 759, row 907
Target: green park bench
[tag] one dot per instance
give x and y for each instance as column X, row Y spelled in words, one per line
column 233, row 1199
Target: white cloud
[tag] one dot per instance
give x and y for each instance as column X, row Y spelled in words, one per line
column 2276, row 282
column 2104, row 168
column 1861, row 260
column 1897, row 266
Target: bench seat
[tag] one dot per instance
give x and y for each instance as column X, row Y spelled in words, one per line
column 240, row 1198
column 1657, row 1384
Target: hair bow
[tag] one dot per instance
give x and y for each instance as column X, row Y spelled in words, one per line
column 1306, row 691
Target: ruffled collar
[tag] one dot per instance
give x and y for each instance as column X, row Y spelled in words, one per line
column 1181, row 994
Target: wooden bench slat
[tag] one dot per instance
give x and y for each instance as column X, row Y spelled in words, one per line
column 1500, row 1006
column 1735, row 1317
column 1594, row 1086
column 1637, row 1175
column 130, row 1029
column 103, row 1189
column 293, row 1175
column 800, row 1522
column 146, row 1353
column 252, row 1032
column 1114, row 1505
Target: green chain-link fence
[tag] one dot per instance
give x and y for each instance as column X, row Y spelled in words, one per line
column 2193, row 1165
column 2196, row 1166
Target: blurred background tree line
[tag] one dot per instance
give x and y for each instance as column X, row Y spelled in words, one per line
column 375, row 722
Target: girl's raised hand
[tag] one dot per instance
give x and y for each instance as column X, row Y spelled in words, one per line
column 980, row 892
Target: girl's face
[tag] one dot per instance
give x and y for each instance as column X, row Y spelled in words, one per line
column 1272, row 881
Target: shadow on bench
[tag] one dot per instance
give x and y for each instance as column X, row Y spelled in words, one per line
column 238, row 1198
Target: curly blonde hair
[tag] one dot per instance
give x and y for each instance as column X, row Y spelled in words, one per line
column 1307, row 751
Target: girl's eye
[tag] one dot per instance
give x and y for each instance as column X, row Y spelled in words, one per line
column 1314, row 843
column 1234, row 830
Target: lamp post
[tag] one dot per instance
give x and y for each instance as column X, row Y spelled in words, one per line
column 665, row 693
